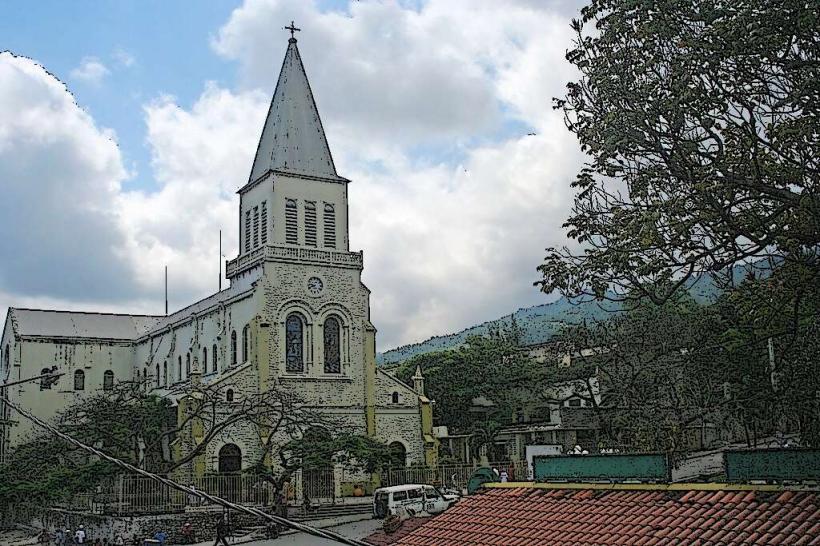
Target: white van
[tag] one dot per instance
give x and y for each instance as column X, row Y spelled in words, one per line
column 413, row 498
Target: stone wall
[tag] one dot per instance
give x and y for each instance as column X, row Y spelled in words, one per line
column 100, row 526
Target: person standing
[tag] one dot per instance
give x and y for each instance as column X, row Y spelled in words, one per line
column 80, row 535
column 59, row 538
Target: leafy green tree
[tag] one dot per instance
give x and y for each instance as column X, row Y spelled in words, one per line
column 702, row 124
column 491, row 367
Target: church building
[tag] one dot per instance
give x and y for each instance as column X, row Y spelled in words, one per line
column 295, row 317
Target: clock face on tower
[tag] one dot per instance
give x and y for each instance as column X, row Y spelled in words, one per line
column 315, row 285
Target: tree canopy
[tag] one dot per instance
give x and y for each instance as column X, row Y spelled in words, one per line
column 702, row 125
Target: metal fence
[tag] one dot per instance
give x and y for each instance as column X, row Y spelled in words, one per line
column 127, row 494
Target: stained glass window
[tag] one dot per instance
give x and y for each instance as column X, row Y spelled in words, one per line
column 294, row 346
column 333, row 363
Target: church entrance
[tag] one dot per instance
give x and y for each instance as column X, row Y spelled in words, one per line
column 230, row 459
column 318, row 478
column 230, row 466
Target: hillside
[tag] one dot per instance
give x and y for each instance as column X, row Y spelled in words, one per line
column 538, row 323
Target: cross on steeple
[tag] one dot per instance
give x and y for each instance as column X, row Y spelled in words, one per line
column 292, row 28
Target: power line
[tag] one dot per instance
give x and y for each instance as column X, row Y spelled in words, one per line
column 189, row 490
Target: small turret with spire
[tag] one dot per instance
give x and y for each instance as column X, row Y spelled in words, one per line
column 418, row 381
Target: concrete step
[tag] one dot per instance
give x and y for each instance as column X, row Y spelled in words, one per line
column 330, row 511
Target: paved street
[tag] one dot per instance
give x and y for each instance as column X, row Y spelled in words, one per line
column 357, row 529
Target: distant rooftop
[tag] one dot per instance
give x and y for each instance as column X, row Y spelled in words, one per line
column 80, row 324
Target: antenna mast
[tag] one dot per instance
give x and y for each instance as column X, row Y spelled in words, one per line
column 220, row 260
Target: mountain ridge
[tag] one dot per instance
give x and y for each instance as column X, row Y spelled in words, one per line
column 538, row 323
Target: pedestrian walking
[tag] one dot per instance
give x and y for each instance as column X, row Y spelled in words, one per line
column 80, row 535
column 221, row 531
column 59, row 538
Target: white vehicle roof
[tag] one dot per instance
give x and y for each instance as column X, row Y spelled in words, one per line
column 405, row 487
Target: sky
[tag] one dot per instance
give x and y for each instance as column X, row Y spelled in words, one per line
column 127, row 127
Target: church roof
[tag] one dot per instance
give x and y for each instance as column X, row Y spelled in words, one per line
column 78, row 324
column 293, row 140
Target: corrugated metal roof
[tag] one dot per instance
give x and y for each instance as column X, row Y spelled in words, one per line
column 76, row 324
column 293, row 140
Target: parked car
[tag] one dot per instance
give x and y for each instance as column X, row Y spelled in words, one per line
column 413, row 498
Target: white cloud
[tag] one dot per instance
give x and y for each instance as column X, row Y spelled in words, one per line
column 451, row 203
column 123, row 58
column 60, row 175
column 90, row 71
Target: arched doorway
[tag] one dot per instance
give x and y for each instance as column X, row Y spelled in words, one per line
column 318, row 478
column 398, row 455
column 230, row 464
column 230, row 459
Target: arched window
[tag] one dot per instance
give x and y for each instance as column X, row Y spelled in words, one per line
column 6, row 358
column 79, row 380
column 45, row 382
column 333, row 362
column 165, row 373
column 158, row 378
column 229, row 395
column 398, row 454
column 245, row 342
column 108, row 380
column 213, row 358
column 291, row 234
column 230, row 458
column 294, row 343
column 205, row 359
column 233, row 348
column 330, row 226
column 144, row 378
column 179, row 368
column 395, row 398
column 187, row 364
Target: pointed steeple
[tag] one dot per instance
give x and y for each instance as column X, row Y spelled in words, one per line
column 418, row 381
column 293, row 140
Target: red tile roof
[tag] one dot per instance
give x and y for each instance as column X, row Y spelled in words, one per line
column 564, row 517
column 380, row 538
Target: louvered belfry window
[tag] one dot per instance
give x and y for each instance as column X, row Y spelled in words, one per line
column 255, row 227
column 310, row 223
column 330, row 226
column 247, row 231
column 264, row 235
column 291, row 236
